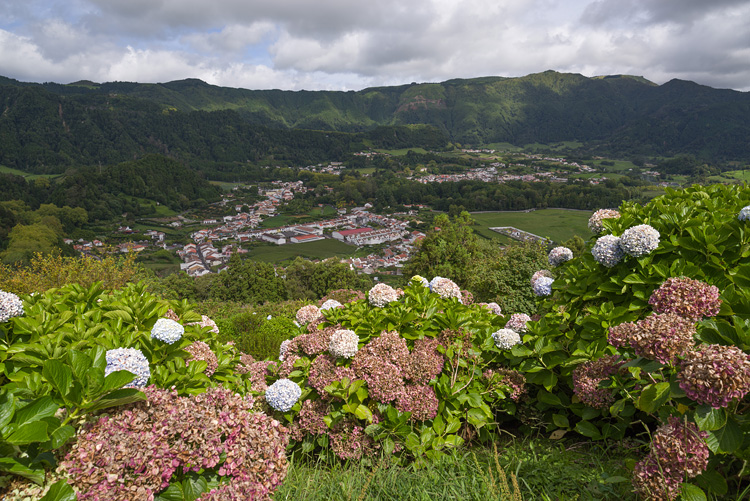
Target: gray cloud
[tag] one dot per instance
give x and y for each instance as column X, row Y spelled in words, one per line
column 348, row 44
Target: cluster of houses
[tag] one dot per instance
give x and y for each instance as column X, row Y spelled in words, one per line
column 521, row 235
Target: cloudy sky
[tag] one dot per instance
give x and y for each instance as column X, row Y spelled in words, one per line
column 353, row 44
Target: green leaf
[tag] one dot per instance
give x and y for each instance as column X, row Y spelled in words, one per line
column 587, row 429
column 476, row 417
column 388, row 445
column 80, row 362
column 560, row 420
column 713, row 481
column 7, row 408
column 59, row 375
column 690, row 492
column 653, row 397
column 60, row 437
column 116, row 379
column 726, row 439
column 60, row 491
column 549, row 398
column 36, row 410
column 28, row 433
column 708, row 419
column 362, row 412
column 117, row 397
column 438, row 424
column 12, row 466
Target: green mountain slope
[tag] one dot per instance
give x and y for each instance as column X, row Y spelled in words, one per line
column 57, row 125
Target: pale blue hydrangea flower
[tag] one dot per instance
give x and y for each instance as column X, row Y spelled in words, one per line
column 744, row 214
column 639, row 240
column 505, row 339
column 283, row 394
column 607, row 251
column 329, row 304
column 131, row 360
column 543, row 286
column 559, row 255
column 10, row 306
column 167, row 330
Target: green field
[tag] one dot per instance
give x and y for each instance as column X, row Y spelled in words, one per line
column 402, row 151
column 280, row 220
column 10, row 170
column 320, row 249
column 557, row 224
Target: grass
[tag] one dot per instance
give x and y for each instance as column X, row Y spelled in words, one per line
column 557, row 224
column 10, row 170
column 543, row 470
column 320, row 249
column 742, row 175
column 402, row 151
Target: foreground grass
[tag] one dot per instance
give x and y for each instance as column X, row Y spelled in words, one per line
column 528, row 469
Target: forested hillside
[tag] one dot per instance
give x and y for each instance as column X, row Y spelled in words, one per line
column 45, row 128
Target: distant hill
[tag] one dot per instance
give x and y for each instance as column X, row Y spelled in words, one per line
column 48, row 126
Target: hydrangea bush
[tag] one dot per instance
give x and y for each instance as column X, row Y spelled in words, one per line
column 414, row 373
column 652, row 328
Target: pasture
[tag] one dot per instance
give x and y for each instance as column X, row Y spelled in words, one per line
column 320, row 249
column 557, row 224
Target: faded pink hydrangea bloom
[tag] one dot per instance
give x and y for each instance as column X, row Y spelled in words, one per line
column 687, row 298
column 595, row 221
column 517, row 322
column 493, row 307
column 420, row 400
column 380, row 364
column 510, row 378
column 588, row 375
column 678, row 451
column 715, row 375
column 661, row 337
column 348, row 440
column 206, row 322
column 132, row 451
column 424, row 363
column 323, row 372
column 307, row 314
column 382, row 294
column 201, row 351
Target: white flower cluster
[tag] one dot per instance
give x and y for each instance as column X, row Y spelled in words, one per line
column 543, row 286
column 517, row 322
column 381, row 295
column 131, row 360
column 307, row 314
column 283, row 347
column 445, row 288
column 331, row 303
column 559, row 255
column 343, row 343
column 595, row 221
column 167, row 331
column 639, row 240
column 207, row 322
column 421, row 280
column 505, row 339
column 539, row 274
column 493, row 307
column 283, row 394
column 10, row 306
column 744, row 214
column 607, row 251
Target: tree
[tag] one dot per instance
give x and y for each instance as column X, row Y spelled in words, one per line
column 27, row 240
column 448, row 250
column 308, row 280
column 250, row 282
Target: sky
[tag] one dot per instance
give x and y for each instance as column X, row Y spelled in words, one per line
column 355, row 44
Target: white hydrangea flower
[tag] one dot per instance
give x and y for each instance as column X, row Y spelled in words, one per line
column 445, row 288
column 639, row 240
column 744, row 214
column 10, row 306
column 131, row 360
column 543, row 286
column 539, row 274
column 607, row 250
column 207, row 322
column 517, row 322
column 283, row 394
column 493, row 307
column 167, row 331
column 559, row 255
column 595, row 221
column 307, row 314
column 331, row 303
column 343, row 343
column 505, row 339
column 381, row 295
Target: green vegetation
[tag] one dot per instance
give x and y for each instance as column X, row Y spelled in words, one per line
column 320, row 249
column 556, row 224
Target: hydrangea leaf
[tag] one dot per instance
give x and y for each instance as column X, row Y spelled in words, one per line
column 60, row 491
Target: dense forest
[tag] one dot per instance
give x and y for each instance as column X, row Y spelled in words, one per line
column 47, row 128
